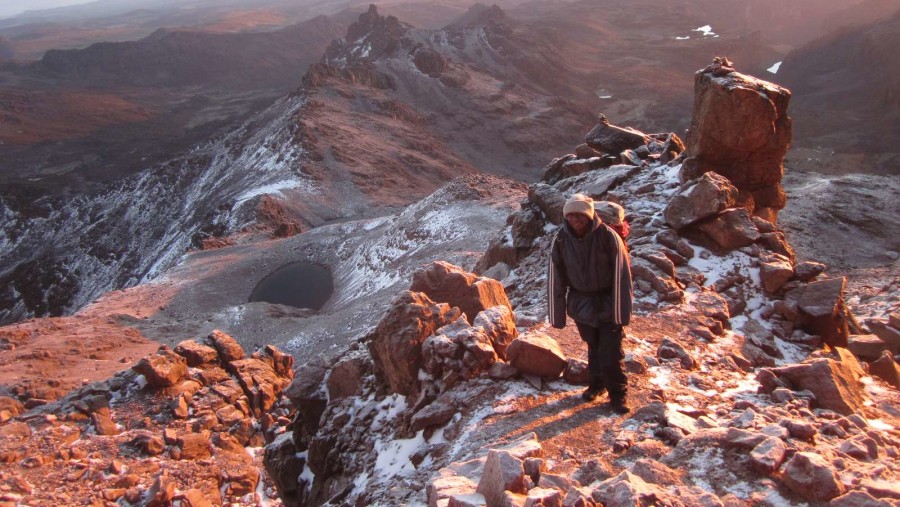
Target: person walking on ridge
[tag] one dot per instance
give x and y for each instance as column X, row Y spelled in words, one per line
column 589, row 279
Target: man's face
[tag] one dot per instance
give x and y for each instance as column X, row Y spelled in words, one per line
column 578, row 222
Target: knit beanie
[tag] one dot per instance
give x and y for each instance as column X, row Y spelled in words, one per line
column 579, row 203
column 610, row 212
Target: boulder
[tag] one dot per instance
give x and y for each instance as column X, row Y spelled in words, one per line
column 163, row 369
column 821, row 311
column 499, row 325
column 502, row 472
column 194, row 446
column 775, row 273
column 731, row 229
column 811, row 477
column 834, row 384
column 527, row 225
column 886, row 369
column 549, row 200
column 346, row 377
column 739, row 129
column 537, row 354
column 887, row 331
column 458, row 351
column 807, row 270
column 698, row 199
column 196, row 354
column 866, row 346
column 776, row 242
column 610, row 139
column 670, row 349
column 446, row 283
column 467, row 500
column 228, row 348
column 396, row 342
column 260, row 382
column 543, row 497
column 768, row 455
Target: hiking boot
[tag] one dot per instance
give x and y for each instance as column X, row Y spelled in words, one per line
column 619, row 406
column 591, row 393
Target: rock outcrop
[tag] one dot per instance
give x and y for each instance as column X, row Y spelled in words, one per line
column 155, row 434
column 741, row 130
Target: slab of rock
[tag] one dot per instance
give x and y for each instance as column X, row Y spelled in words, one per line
column 467, row 500
column 858, row 499
column 866, row 346
column 576, row 371
column 768, row 456
column 537, row 354
column 163, row 369
column 887, row 332
column 447, row 486
column 549, row 200
column 396, row 342
column 807, row 270
column 346, row 378
column 608, row 138
column 698, row 199
column 502, row 472
column 731, row 229
column 670, row 349
column 197, row 354
column 886, row 369
column 446, row 283
column 820, row 307
column 811, row 477
column 194, row 446
column 499, row 323
column 227, row 347
column 835, row 385
column 543, row 497
column 775, row 273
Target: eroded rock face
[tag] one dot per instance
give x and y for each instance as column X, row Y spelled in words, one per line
column 396, row 343
column 741, row 130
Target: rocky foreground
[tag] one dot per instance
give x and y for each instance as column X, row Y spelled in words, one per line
column 751, row 381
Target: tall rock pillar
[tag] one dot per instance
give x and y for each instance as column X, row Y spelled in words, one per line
column 740, row 129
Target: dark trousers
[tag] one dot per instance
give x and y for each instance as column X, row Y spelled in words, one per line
column 605, row 357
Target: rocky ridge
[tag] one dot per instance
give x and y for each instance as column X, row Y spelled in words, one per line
column 750, row 379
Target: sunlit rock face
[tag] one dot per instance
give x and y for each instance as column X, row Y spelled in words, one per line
column 741, row 130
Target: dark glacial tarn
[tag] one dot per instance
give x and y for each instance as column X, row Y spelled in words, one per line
column 298, row 284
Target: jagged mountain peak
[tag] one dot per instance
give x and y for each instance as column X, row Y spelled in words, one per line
column 481, row 15
column 371, row 37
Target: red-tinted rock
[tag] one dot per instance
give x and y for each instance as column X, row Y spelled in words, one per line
column 811, row 477
column 834, row 384
column 701, row 198
column 731, row 229
column 396, row 343
column 228, row 348
column 446, row 283
column 163, row 369
column 537, row 354
column 886, row 369
column 821, row 307
column 196, row 354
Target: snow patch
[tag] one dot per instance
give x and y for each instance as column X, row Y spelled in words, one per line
column 774, row 69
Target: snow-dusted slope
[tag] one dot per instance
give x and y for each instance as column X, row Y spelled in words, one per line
column 77, row 249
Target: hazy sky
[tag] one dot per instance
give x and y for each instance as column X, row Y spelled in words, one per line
column 13, row 7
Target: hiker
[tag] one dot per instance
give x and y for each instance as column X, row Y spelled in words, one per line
column 589, row 278
column 613, row 215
